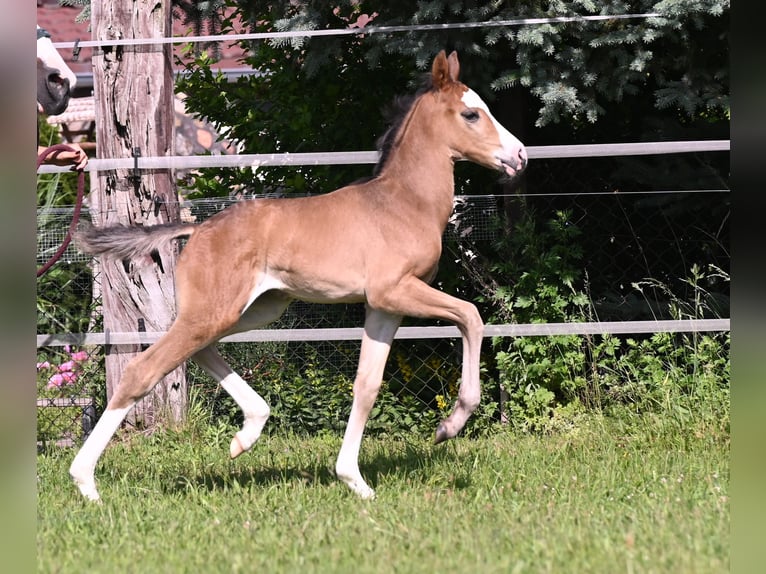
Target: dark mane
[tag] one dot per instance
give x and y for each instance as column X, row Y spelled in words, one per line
column 394, row 114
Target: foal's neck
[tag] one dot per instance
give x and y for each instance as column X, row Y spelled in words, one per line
column 421, row 166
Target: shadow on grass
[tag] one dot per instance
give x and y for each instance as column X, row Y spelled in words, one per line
column 427, row 464
column 412, row 464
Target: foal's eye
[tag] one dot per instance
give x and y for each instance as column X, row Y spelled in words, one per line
column 470, row 115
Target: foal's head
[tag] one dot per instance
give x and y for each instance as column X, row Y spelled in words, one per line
column 461, row 120
column 55, row 80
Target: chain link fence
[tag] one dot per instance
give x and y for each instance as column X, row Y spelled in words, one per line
column 626, row 238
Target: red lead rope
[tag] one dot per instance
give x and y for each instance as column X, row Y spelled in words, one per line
column 77, row 207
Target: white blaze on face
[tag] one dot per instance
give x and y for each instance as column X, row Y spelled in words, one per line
column 512, row 149
column 51, row 58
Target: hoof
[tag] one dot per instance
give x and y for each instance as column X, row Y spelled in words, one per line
column 368, row 494
column 360, row 488
column 88, row 490
column 441, row 434
column 236, row 448
column 85, row 482
column 248, row 436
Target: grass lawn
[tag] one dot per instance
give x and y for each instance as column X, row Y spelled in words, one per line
column 651, row 496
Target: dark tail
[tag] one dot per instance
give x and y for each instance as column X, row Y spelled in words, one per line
column 128, row 242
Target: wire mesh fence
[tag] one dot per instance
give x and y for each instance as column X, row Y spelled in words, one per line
column 626, row 239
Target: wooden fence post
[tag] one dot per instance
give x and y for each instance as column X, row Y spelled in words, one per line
column 133, row 89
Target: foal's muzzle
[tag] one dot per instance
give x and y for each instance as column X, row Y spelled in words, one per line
column 514, row 165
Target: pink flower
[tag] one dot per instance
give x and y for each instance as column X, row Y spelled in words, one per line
column 79, row 356
column 60, row 379
column 67, row 372
column 55, row 381
column 68, row 366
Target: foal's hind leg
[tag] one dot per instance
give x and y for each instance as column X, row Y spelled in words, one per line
column 255, row 409
column 141, row 375
column 267, row 308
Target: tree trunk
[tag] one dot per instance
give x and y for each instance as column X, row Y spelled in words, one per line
column 133, row 88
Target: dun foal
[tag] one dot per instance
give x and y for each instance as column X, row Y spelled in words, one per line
column 376, row 243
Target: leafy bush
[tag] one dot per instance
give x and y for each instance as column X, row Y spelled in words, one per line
column 270, row 112
column 548, row 382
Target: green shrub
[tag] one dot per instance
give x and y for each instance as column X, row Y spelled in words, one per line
column 547, row 381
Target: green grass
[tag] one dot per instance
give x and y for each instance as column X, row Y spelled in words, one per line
column 650, row 496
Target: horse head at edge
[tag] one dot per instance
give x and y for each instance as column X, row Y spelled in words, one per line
column 55, row 80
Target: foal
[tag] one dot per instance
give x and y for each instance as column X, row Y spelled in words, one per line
column 377, row 243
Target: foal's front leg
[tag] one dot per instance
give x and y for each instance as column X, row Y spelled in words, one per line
column 379, row 330
column 414, row 298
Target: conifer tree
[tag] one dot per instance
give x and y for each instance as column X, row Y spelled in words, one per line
column 574, row 69
column 202, row 15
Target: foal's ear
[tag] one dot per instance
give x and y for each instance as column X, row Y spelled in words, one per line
column 445, row 70
column 454, row 66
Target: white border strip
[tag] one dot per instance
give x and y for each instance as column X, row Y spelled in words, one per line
column 355, row 333
column 351, row 31
column 371, row 157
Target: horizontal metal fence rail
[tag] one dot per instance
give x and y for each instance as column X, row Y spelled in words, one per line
column 355, row 333
column 354, row 31
column 371, row 157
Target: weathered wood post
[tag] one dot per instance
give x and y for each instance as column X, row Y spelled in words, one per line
column 133, row 88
